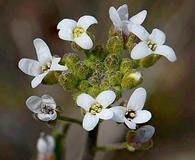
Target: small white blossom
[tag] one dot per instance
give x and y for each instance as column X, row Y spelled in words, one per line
column 46, row 63
column 71, row 30
column 44, row 107
column 45, row 147
column 151, row 44
column 120, row 18
column 96, row 108
column 133, row 113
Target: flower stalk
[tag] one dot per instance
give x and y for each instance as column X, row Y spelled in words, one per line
column 90, row 145
column 69, row 120
column 111, row 147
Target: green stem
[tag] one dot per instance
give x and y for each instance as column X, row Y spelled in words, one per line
column 113, row 147
column 60, row 142
column 70, row 120
column 90, row 145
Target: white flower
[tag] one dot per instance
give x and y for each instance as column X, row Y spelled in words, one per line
column 96, row 108
column 45, row 144
column 133, row 113
column 46, row 63
column 151, row 44
column 71, row 30
column 44, row 107
column 120, row 18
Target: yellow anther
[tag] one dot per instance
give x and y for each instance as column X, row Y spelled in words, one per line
column 152, row 45
column 78, row 31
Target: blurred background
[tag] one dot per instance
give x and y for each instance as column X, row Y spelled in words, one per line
column 171, row 97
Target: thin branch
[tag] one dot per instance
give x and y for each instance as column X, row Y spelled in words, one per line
column 70, row 120
column 113, row 147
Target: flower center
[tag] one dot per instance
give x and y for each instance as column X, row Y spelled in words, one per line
column 46, row 67
column 47, row 109
column 152, row 45
column 130, row 115
column 95, row 108
column 78, row 31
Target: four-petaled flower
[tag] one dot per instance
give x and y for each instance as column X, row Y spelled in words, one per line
column 46, row 63
column 44, row 107
column 96, row 108
column 151, row 44
column 133, row 113
column 71, row 30
column 120, row 18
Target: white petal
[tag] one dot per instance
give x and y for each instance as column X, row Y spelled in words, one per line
column 118, row 113
column 137, row 99
column 51, row 143
column 115, row 18
column 29, row 66
column 42, row 50
column 123, row 12
column 90, row 121
column 57, row 67
column 84, row 41
column 166, row 51
column 139, row 18
column 48, row 100
column 34, row 104
column 66, row 34
column 141, row 50
column 142, row 116
column 85, row 101
column 130, row 124
column 38, row 79
column 157, row 36
column 86, row 21
column 106, row 98
column 139, row 31
column 144, row 134
column 47, row 117
column 67, row 24
column 105, row 114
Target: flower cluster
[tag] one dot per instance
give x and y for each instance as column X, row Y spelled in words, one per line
column 99, row 79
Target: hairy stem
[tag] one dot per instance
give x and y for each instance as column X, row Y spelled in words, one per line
column 90, row 145
column 69, row 120
column 113, row 147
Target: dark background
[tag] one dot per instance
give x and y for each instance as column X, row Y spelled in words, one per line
column 170, row 86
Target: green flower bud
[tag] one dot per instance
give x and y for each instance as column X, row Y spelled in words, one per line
column 82, row 71
column 127, row 64
column 114, row 78
column 50, row 79
column 83, row 85
column 115, row 45
column 149, row 60
column 112, row 62
column 105, row 85
column 68, row 80
column 130, row 42
column 70, row 60
column 96, row 78
column 131, row 79
column 93, row 91
column 98, row 53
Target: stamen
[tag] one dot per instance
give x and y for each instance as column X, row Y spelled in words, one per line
column 46, row 66
column 152, row 45
column 78, row 31
column 95, row 108
column 130, row 115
